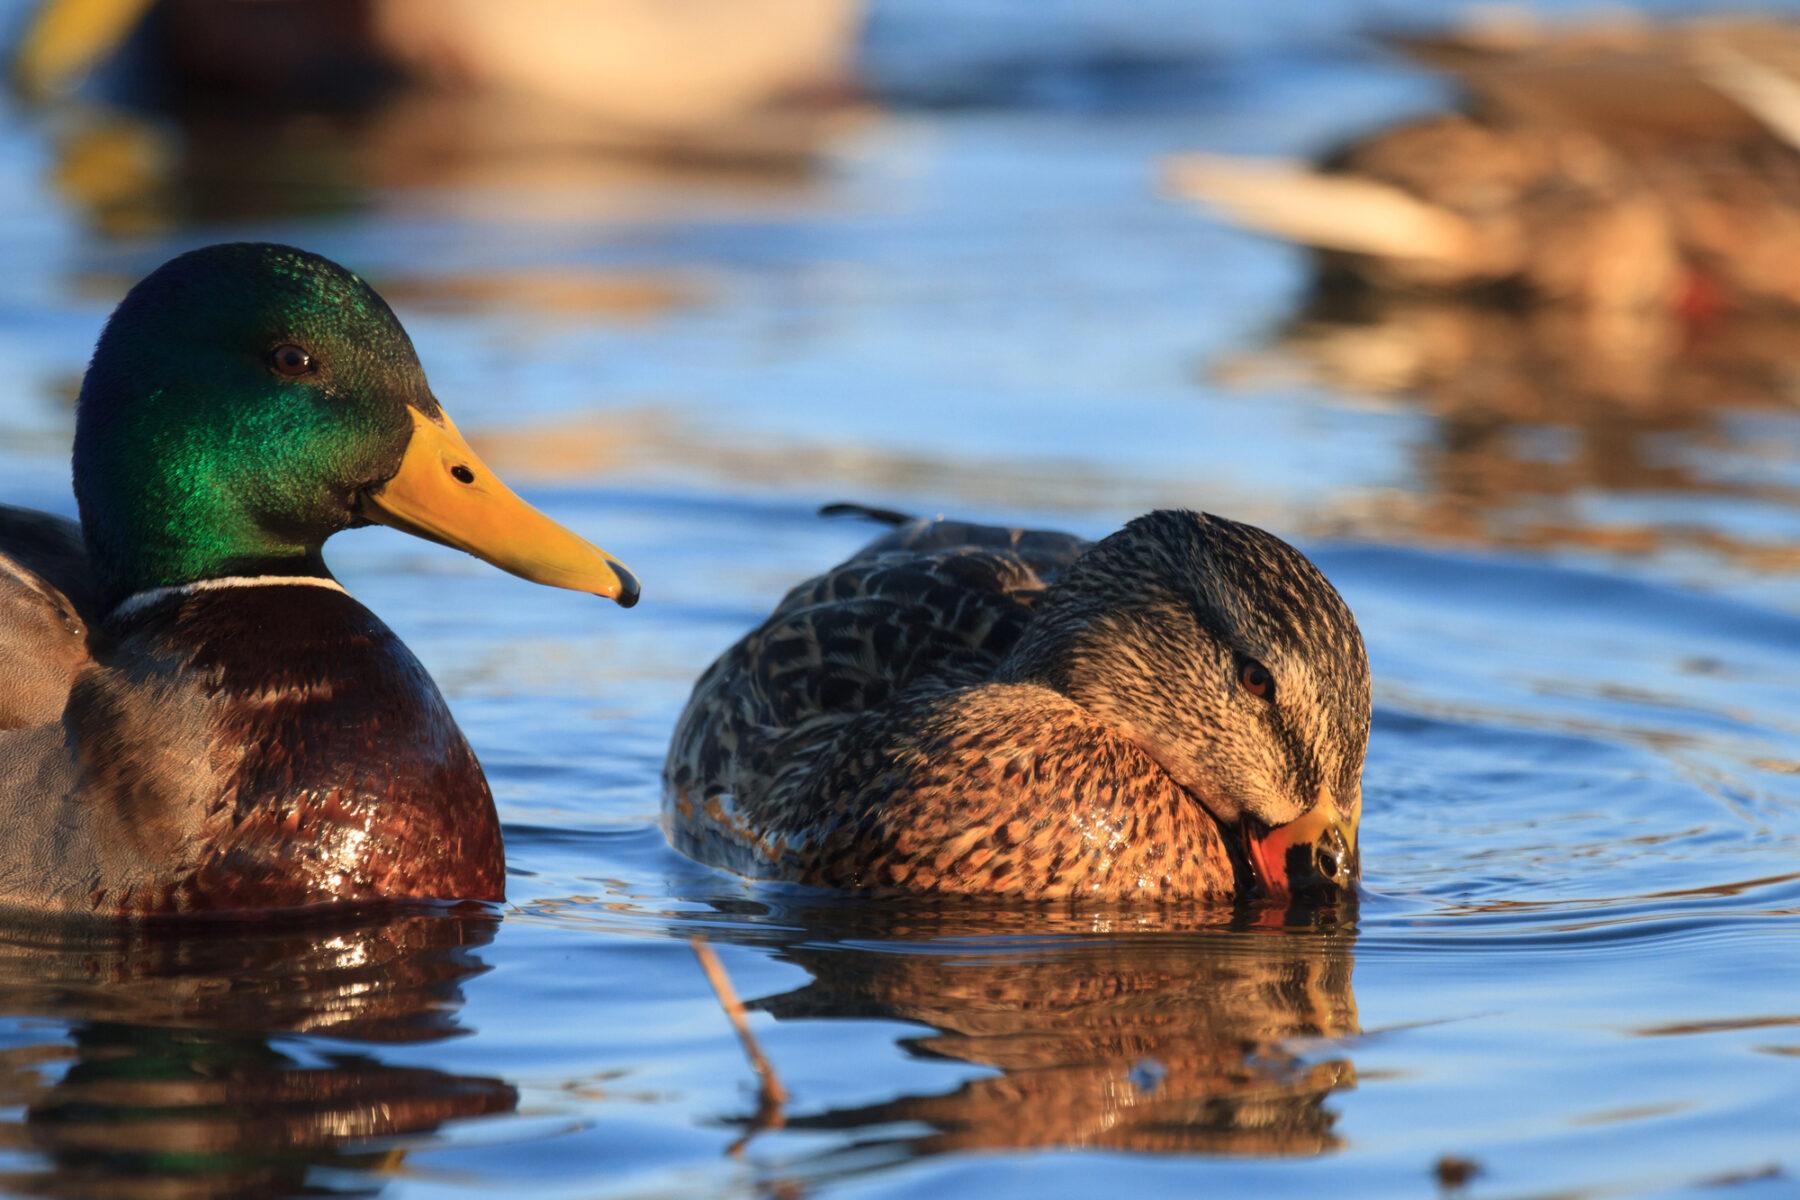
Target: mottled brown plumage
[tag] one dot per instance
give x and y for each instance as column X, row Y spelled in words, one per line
column 968, row 709
column 1618, row 165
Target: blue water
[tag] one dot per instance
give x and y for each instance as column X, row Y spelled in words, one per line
column 1576, row 960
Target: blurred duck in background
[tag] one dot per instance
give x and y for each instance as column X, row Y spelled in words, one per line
column 637, row 64
column 1600, row 250
column 1620, row 165
column 300, row 105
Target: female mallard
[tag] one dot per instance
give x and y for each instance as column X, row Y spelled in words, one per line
column 1179, row 710
column 1623, row 166
column 193, row 714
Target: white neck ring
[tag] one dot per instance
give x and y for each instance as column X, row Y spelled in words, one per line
column 138, row 601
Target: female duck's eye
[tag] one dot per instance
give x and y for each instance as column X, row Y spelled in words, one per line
column 1256, row 680
column 290, row 360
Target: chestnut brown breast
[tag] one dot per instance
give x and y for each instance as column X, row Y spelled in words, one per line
column 262, row 747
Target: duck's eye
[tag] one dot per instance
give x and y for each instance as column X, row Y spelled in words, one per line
column 290, row 360
column 1256, row 680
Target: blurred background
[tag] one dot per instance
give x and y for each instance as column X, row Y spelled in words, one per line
column 1017, row 256
column 1494, row 310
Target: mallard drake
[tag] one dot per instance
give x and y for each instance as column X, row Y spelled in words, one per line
column 194, row 715
column 1177, row 711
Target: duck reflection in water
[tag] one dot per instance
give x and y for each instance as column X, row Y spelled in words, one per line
column 1534, row 414
column 183, row 1077
column 1188, row 1040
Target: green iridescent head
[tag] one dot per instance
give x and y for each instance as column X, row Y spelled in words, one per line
column 239, row 400
column 247, row 401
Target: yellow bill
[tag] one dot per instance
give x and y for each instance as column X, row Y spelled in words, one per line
column 444, row 493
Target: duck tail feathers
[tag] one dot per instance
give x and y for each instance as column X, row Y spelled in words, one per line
column 868, row 512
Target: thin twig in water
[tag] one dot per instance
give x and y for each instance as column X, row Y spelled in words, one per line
column 771, row 1096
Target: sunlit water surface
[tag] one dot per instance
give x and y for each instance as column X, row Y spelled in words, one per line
column 1575, row 969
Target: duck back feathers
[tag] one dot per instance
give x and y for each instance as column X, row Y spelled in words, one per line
column 44, row 593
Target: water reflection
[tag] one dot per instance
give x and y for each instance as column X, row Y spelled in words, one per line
column 1205, row 1040
column 670, row 441
column 1537, row 409
column 131, row 174
column 171, row 1069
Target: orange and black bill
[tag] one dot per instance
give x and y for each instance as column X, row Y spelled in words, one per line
column 1314, row 856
